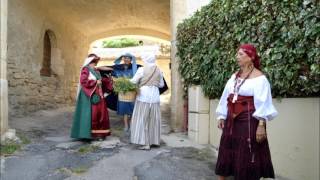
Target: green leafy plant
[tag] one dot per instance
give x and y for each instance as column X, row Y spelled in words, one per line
column 123, row 85
column 9, row 148
column 120, row 43
column 286, row 34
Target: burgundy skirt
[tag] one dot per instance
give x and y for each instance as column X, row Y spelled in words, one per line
column 100, row 125
column 237, row 156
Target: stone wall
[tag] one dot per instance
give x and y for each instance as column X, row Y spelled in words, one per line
column 28, row 91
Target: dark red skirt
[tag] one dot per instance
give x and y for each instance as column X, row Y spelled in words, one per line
column 235, row 157
column 100, row 125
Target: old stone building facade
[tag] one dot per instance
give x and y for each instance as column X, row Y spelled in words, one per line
column 44, row 42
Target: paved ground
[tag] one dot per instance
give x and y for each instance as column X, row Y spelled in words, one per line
column 53, row 155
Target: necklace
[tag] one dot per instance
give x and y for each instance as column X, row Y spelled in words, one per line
column 238, row 84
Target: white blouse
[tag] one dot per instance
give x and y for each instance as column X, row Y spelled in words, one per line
column 257, row 87
column 148, row 94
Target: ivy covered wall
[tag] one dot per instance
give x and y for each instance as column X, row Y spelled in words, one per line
column 286, row 34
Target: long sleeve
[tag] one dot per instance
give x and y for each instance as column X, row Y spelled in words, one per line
column 87, row 85
column 222, row 108
column 84, row 79
column 136, row 78
column 263, row 101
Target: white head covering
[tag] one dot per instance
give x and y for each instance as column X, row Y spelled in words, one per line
column 149, row 58
column 87, row 61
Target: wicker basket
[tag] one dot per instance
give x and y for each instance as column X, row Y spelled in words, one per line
column 128, row 96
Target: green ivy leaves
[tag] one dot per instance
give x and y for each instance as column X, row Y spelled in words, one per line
column 286, row 33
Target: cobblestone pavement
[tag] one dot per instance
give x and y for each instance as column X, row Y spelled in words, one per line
column 53, row 155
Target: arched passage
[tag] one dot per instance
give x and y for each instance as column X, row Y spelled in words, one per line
column 75, row 25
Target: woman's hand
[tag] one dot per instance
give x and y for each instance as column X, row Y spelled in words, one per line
column 221, row 123
column 99, row 82
column 261, row 133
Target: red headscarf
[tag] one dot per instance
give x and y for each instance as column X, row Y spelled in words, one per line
column 251, row 51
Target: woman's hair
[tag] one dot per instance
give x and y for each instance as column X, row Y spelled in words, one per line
column 251, row 51
column 95, row 59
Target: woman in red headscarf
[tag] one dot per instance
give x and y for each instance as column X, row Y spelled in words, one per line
column 243, row 110
column 91, row 119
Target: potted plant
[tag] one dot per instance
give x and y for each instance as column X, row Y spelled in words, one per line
column 125, row 89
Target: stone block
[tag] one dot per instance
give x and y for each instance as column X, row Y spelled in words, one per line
column 197, row 102
column 16, row 82
column 198, row 128
column 198, row 121
column 18, row 75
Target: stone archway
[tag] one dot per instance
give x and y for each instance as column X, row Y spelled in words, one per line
column 76, row 24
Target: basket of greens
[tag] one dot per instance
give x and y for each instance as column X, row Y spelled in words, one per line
column 126, row 90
